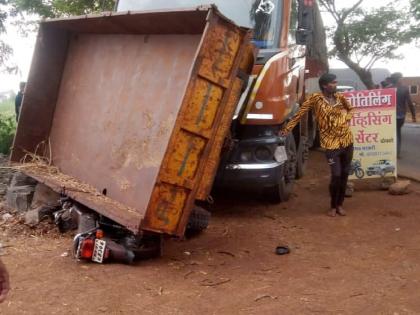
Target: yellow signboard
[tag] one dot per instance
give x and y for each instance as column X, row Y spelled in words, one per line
column 375, row 133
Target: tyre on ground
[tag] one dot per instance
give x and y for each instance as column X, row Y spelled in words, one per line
column 198, row 221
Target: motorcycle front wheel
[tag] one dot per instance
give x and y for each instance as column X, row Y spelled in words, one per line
column 360, row 173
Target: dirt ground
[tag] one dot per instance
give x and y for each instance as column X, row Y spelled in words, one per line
column 365, row 263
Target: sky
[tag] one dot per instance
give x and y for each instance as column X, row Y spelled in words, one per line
column 408, row 65
column 24, row 46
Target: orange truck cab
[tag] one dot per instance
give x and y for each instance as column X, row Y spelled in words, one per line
column 256, row 157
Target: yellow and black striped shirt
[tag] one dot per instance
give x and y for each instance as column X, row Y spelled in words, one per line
column 333, row 120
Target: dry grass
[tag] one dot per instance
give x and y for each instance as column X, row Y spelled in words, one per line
column 39, row 164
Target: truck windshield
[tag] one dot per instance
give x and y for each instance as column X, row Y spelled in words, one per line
column 263, row 16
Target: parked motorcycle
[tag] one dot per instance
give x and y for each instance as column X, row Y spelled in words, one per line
column 356, row 169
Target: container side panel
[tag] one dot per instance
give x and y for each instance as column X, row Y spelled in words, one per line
column 185, row 154
column 219, row 54
column 169, row 201
column 212, row 162
column 144, row 23
column 202, row 106
column 41, row 92
column 222, row 68
column 245, row 66
column 118, row 103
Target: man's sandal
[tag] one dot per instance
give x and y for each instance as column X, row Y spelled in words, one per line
column 341, row 211
column 332, row 213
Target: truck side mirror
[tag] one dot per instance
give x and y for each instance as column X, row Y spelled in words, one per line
column 305, row 21
column 303, row 36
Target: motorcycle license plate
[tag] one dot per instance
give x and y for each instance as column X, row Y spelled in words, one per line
column 99, row 251
column 280, row 154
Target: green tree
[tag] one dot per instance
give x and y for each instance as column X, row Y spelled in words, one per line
column 7, row 106
column 415, row 14
column 362, row 37
column 7, row 123
column 5, row 50
column 58, row 8
column 415, row 8
column 7, row 132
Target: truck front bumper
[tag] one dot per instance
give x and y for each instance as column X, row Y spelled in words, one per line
column 253, row 177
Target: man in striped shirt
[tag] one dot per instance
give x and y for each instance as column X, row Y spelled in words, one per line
column 332, row 112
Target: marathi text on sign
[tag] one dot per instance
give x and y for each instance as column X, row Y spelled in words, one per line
column 373, row 98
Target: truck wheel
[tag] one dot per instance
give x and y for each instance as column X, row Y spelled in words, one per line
column 313, row 133
column 198, row 220
column 146, row 247
column 282, row 191
column 302, row 157
column 313, row 138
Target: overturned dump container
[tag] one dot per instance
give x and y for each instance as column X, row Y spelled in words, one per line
column 126, row 112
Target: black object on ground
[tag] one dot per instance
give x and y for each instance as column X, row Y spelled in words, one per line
column 282, row 250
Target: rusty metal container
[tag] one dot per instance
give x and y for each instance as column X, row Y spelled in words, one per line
column 128, row 111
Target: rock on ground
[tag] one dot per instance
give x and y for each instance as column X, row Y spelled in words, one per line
column 349, row 189
column 19, row 197
column 400, row 187
column 45, row 196
column 387, row 182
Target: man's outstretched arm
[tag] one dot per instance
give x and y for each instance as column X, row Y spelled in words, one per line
column 306, row 106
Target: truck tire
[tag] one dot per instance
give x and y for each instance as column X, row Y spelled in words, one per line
column 283, row 190
column 198, row 220
column 316, row 143
column 313, row 133
column 147, row 247
column 302, row 157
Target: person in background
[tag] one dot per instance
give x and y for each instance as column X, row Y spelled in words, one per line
column 403, row 100
column 4, row 282
column 386, row 83
column 332, row 112
column 19, row 98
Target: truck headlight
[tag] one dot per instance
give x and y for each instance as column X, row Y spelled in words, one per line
column 263, row 153
column 246, row 156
